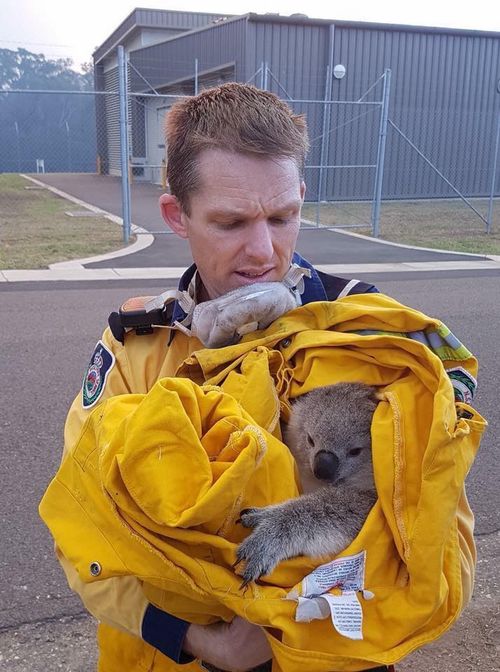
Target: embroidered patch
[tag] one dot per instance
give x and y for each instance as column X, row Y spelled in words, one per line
column 100, row 365
column 464, row 384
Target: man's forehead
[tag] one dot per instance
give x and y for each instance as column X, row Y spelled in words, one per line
column 232, row 182
column 221, row 160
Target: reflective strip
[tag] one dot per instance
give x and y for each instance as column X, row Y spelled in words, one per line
column 352, row 283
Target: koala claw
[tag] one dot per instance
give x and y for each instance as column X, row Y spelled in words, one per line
column 258, row 556
column 252, row 571
column 251, row 517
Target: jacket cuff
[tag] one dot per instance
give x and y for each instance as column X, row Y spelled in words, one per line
column 166, row 633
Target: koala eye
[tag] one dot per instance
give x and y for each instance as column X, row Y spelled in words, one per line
column 354, row 452
column 310, row 441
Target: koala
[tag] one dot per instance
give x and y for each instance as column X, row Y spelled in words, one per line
column 329, row 434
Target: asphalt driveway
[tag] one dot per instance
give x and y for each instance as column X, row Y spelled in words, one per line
column 320, row 246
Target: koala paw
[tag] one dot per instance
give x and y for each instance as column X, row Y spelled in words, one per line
column 252, row 517
column 257, row 555
column 262, row 550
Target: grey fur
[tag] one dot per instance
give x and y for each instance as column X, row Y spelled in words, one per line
column 326, row 426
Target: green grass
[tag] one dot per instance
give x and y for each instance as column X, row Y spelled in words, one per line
column 36, row 232
column 447, row 224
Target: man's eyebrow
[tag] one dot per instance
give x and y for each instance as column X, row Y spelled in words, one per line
column 230, row 213
column 237, row 213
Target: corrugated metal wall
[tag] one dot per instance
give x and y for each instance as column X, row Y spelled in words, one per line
column 112, row 106
column 151, row 18
column 296, row 55
column 162, row 65
column 354, row 129
column 443, row 95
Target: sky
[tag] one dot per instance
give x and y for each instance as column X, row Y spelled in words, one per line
column 64, row 29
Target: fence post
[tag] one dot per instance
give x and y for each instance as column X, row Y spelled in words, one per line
column 379, row 171
column 493, row 178
column 324, row 141
column 68, row 145
column 163, row 174
column 263, row 75
column 18, row 147
column 195, row 76
column 124, row 148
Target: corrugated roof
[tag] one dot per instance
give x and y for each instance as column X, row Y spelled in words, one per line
column 156, row 19
column 189, row 21
column 304, row 19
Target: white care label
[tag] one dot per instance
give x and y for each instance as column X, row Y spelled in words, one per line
column 347, row 573
column 345, row 611
column 311, row 608
column 315, row 602
column 347, row 615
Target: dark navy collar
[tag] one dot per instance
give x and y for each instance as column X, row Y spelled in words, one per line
column 178, row 314
column 313, row 287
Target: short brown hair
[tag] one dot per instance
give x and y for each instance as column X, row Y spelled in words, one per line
column 233, row 117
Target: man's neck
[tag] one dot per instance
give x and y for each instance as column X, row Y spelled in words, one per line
column 200, row 294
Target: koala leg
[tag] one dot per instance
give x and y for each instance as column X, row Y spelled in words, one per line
column 315, row 524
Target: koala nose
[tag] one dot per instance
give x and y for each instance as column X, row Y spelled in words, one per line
column 325, row 465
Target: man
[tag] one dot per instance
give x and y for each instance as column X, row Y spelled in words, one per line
column 235, row 169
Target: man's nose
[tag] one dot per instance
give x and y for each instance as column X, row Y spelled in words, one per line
column 326, row 465
column 259, row 244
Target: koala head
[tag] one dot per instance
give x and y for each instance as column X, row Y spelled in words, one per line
column 329, row 433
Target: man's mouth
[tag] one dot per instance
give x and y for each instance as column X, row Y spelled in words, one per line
column 255, row 275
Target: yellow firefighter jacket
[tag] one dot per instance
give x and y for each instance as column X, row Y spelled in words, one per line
column 153, row 485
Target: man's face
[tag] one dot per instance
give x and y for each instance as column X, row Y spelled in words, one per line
column 244, row 220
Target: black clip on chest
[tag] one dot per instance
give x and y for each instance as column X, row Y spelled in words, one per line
column 133, row 315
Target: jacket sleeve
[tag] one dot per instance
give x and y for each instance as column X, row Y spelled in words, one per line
column 119, row 601
column 108, row 374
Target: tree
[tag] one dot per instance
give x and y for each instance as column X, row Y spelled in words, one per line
column 58, row 127
column 22, row 69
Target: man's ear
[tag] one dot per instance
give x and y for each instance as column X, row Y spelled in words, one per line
column 171, row 212
column 302, row 190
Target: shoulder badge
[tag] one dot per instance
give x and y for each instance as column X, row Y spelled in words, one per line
column 464, row 384
column 101, row 363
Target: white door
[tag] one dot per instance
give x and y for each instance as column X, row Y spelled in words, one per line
column 155, row 138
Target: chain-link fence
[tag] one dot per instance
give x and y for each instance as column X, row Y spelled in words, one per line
column 346, row 157
column 345, row 161
column 365, row 169
column 47, row 131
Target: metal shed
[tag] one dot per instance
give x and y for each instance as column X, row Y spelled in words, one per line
column 443, row 106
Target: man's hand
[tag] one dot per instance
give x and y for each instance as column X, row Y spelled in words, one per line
column 237, row 646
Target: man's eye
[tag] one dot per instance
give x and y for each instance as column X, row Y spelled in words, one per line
column 278, row 220
column 234, row 224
